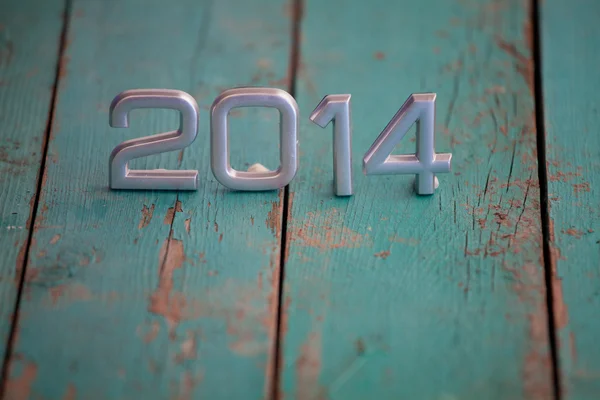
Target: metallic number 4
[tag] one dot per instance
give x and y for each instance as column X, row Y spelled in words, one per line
column 120, row 176
column 378, row 160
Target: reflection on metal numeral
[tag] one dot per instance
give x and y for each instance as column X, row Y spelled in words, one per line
column 288, row 132
column 419, row 108
column 120, row 176
column 336, row 108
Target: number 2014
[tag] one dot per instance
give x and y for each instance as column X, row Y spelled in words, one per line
column 335, row 108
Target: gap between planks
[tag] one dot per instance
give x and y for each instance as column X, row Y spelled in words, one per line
column 35, row 205
column 549, row 269
column 294, row 63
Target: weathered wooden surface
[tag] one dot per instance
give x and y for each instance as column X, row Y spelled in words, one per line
column 154, row 294
column 571, row 80
column 387, row 294
column 392, row 295
column 28, row 62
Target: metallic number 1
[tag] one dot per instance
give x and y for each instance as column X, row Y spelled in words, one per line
column 419, row 108
column 120, row 176
column 336, row 108
column 288, row 133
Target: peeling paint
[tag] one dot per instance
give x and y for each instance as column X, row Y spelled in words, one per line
column 409, row 241
column 573, row 232
column 171, row 305
column 382, row 254
column 147, row 214
column 561, row 313
column 71, row 393
column 63, row 64
column 187, row 223
column 249, row 324
column 188, row 348
column 581, row 187
column 273, row 221
column 187, row 385
column 170, row 215
column 536, row 385
column 308, row 369
column 19, row 387
column 326, row 231
column 573, row 348
column 55, row 239
column 69, row 293
column 152, row 332
column 524, row 62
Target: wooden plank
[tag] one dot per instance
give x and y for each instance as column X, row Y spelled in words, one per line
column 570, row 89
column 28, row 62
column 392, row 295
column 145, row 294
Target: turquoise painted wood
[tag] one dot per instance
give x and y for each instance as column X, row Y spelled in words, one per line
column 392, row 295
column 28, row 62
column 570, row 87
column 145, row 294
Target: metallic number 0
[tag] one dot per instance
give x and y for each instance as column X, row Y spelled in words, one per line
column 288, row 132
column 336, row 108
column 121, row 177
column 419, row 108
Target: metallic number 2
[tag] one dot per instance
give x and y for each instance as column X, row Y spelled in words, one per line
column 120, row 176
column 288, row 133
column 425, row 163
column 336, row 108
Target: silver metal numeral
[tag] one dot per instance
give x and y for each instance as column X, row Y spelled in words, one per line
column 288, row 132
column 336, row 108
column 419, row 108
column 120, row 176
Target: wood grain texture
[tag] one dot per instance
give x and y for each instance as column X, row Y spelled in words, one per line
column 570, row 76
column 392, row 295
column 28, row 62
column 144, row 294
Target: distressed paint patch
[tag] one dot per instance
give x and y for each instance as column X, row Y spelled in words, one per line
column 147, row 213
column 71, row 392
column 382, row 254
column 308, row 369
column 188, row 224
column 170, row 215
column 69, row 293
column 561, row 313
column 188, row 348
column 150, row 334
column 19, row 387
column 172, row 306
column 249, row 322
column 325, row 230
column 273, row 221
column 184, row 389
column 55, row 239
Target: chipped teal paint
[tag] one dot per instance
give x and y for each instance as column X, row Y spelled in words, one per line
column 28, row 62
column 154, row 294
column 392, row 295
column 571, row 82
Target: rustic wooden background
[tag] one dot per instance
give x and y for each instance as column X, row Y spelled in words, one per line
column 489, row 289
